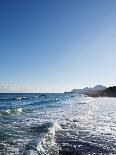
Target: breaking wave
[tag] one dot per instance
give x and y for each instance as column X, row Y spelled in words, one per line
column 12, row 112
column 47, row 145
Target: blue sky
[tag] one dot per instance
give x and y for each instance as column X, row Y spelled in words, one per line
column 56, row 45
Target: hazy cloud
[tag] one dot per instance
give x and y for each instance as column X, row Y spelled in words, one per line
column 12, row 88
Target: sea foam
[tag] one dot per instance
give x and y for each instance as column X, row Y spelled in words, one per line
column 47, row 145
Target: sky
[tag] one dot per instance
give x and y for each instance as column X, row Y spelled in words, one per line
column 57, row 45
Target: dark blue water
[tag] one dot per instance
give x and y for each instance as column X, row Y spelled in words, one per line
column 52, row 124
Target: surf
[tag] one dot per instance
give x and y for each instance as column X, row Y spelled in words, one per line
column 11, row 112
column 47, row 144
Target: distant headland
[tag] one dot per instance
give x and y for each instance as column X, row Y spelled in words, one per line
column 96, row 91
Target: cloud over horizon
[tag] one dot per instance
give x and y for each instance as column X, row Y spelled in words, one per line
column 13, row 88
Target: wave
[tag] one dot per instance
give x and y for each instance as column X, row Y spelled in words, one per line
column 22, row 98
column 14, row 98
column 12, row 112
column 7, row 99
column 47, row 145
column 43, row 102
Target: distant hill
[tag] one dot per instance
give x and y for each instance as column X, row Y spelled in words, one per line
column 89, row 89
column 96, row 91
column 108, row 92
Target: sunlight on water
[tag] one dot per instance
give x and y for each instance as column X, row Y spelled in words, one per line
column 54, row 123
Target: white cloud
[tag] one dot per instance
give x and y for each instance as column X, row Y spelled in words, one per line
column 12, row 88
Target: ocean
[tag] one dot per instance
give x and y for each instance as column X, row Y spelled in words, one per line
column 57, row 124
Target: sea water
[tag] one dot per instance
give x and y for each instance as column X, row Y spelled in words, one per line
column 53, row 124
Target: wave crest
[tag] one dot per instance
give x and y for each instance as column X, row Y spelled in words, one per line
column 47, row 145
column 12, row 112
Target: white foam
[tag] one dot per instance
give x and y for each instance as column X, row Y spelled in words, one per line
column 18, row 98
column 14, row 112
column 47, row 144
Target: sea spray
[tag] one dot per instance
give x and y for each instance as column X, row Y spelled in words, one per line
column 47, row 145
column 12, row 112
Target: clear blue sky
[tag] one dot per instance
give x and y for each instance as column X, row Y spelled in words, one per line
column 57, row 45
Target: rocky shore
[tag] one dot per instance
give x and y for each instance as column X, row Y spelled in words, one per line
column 108, row 92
